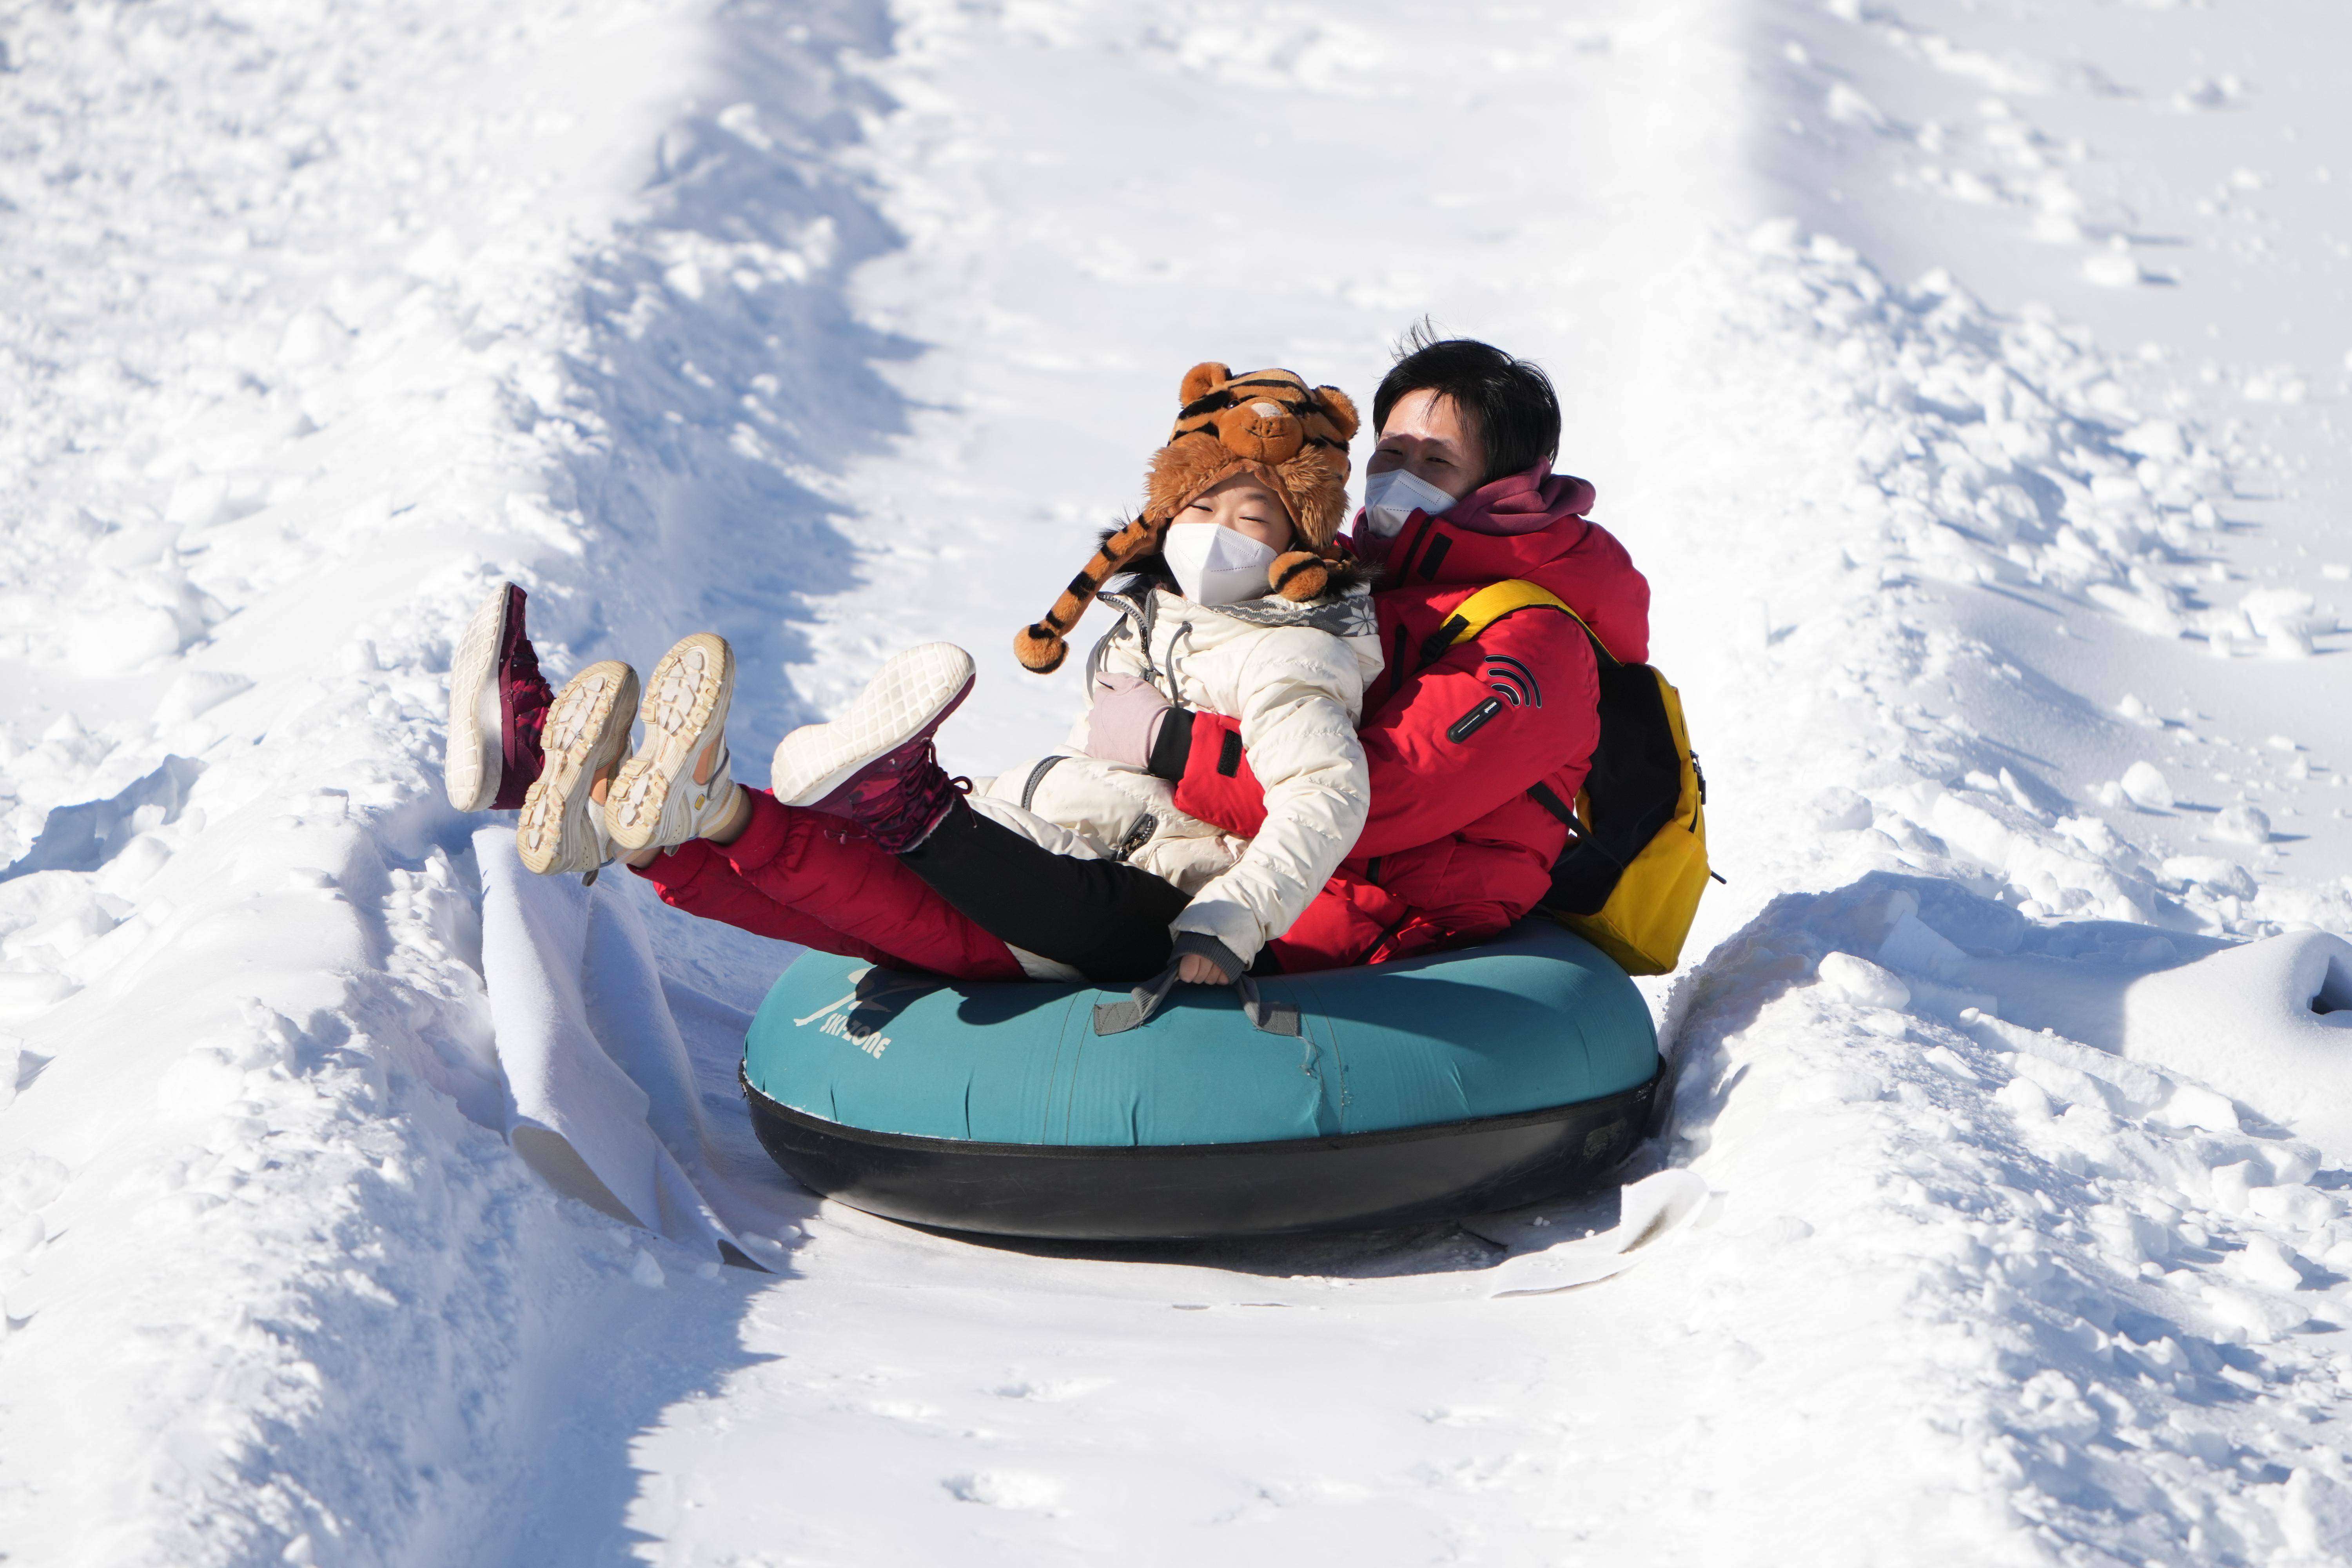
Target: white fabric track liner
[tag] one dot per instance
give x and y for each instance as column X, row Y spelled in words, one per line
column 601, row 1094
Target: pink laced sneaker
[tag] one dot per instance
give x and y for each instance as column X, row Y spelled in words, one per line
column 875, row 764
column 901, row 807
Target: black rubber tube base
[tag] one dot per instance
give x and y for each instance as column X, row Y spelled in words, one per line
column 1363, row 1181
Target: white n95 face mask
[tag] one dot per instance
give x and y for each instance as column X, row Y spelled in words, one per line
column 1216, row 565
column 1392, row 497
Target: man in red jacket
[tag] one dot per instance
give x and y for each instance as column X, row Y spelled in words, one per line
column 1477, row 749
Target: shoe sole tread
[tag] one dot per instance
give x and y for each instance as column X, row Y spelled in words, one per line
column 684, row 708
column 587, row 728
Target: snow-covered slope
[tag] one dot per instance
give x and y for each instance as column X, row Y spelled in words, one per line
column 1968, row 387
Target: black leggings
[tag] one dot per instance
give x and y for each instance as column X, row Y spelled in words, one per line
column 1107, row 920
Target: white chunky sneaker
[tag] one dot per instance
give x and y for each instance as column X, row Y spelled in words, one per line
column 562, row 827
column 655, row 801
column 874, row 764
column 471, row 771
column 497, row 705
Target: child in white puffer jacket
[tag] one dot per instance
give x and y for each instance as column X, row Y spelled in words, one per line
column 1236, row 607
column 1293, row 673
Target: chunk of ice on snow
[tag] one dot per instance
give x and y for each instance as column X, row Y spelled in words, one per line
column 2256, row 1317
column 2194, row 1105
column 1914, row 947
column 2112, row 269
column 2224, row 877
column 2144, row 785
column 21, row 993
column 2233, row 1185
column 1848, row 107
column 2156, row 438
column 2243, row 823
column 2290, row 642
column 31, row 1182
column 1007, row 1490
column 1865, row 982
column 2266, row 1263
column 2285, row 619
column 113, row 642
column 198, row 502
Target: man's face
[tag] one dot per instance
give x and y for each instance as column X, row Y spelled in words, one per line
column 1432, row 438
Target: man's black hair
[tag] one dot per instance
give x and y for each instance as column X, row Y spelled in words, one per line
column 1510, row 401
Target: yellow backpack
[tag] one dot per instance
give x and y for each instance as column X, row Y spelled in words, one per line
column 1630, row 880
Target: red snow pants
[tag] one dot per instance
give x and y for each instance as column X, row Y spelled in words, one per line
column 820, row 881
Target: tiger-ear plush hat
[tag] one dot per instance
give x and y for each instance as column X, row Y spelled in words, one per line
column 1269, row 423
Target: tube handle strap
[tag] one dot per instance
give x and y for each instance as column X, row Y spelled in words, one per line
column 1146, row 1000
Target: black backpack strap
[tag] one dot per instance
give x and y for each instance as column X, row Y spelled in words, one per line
column 1565, row 814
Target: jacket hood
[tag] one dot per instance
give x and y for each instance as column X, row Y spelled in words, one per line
column 1522, row 502
column 1530, row 524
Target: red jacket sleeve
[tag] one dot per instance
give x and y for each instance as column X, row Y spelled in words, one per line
column 1496, row 715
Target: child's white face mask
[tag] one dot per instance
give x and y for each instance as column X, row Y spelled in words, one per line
column 1216, row 565
column 1392, row 497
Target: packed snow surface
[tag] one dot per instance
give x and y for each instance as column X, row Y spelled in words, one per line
column 1969, row 378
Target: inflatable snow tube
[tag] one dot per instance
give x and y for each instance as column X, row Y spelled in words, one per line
column 1428, row 1089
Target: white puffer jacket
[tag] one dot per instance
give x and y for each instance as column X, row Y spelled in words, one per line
column 1294, row 675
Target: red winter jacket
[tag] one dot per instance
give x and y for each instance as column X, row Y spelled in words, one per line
column 1457, row 848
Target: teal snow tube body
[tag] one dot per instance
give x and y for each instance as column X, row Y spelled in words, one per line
column 1432, row 1086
